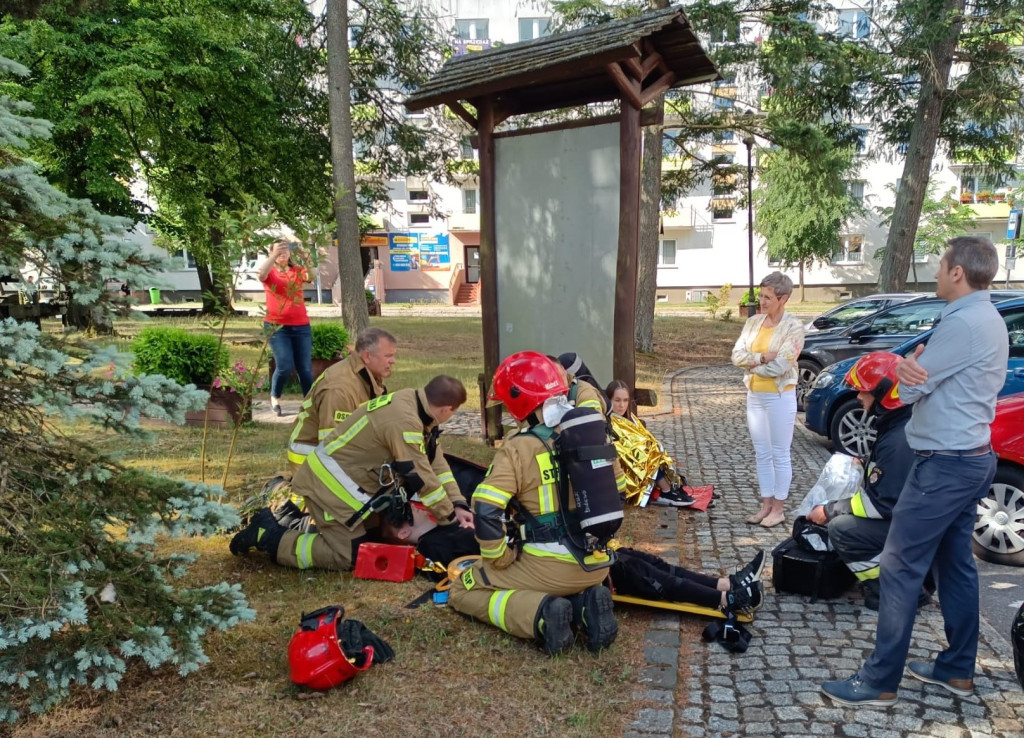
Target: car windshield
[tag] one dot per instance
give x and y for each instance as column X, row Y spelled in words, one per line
column 909, row 318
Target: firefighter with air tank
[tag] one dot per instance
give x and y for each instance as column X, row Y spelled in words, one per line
column 555, row 481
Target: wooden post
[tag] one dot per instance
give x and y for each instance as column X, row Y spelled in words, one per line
column 623, row 356
column 488, row 261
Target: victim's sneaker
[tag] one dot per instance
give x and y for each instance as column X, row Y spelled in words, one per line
column 748, row 574
column 745, row 599
column 673, row 497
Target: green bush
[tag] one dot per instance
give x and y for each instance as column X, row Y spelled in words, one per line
column 329, row 340
column 187, row 358
column 746, row 295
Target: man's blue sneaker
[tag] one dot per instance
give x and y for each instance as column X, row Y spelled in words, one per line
column 854, row 692
column 926, row 673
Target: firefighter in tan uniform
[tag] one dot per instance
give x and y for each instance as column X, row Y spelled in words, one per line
column 531, row 589
column 340, row 390
column 340, row 480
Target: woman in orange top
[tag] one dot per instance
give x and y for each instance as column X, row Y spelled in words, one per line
column 291, row 338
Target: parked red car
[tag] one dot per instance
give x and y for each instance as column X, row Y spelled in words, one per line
column 999, row 529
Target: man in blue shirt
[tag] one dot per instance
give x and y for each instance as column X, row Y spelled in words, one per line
column 953, row 386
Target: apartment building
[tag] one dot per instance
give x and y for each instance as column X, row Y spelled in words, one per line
column 705, row 239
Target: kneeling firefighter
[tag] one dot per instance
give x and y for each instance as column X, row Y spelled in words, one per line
column 554, row 480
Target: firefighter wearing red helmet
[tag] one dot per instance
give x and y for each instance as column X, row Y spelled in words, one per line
column 532, row 589
column 858, row 525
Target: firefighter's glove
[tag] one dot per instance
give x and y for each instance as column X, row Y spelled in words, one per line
column 355, row 636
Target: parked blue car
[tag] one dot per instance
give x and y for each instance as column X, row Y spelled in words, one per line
column 831, row 408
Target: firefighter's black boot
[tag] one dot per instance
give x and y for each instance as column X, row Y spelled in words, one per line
column 593, row 617
column 554, row 625
column 263, row 533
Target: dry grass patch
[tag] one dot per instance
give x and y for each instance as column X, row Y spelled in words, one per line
column 451, row 676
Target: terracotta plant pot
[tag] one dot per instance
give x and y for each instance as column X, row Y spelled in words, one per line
column 319, row 367
column 226, row 409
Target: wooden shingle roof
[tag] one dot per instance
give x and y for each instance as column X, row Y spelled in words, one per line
column 567, row 69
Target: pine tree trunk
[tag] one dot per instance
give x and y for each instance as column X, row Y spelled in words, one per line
column 214, row 292
column 650, row 226
column 899, row 246
column 346, row 209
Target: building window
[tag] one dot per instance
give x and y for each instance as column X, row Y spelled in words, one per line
column 861, row 140
column 850, row 250
column 920, row 252
column 419, row 196
column 855, row 188
column 667, row 254
column 725, row 31
column 727, row 136
column 854, row 24
column 670, row 142
column 471, row 29
column 531, row 28
column 182, row 259
column 724, row 103
column 419, row 219
column 469, row 201
column 466, row 148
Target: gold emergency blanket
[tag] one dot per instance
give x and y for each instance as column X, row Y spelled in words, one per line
column 641, row 456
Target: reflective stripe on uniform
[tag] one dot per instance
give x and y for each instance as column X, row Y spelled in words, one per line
column 304, row 550
column 595, row 404
column 323, row 433
column 414, row 438
column 297, row 452
column 546, row 491
column 860, row 505
column 432, row 498
column 549, row 551
column 496, row 607
column 446, row 478
column 492, row 495
column 347, row 436
column 495, row 551
column 865, row 569
column 330, row 473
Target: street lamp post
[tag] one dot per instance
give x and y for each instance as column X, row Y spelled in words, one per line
column 748, row 141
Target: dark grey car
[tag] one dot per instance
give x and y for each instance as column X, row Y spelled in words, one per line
column 879, row 332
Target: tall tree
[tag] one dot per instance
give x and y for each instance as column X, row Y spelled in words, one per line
column 206, row 104
column 346, row 210
column 85, row 589
column 802, row 198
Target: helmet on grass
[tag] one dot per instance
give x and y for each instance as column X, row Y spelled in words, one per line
column 315, row 656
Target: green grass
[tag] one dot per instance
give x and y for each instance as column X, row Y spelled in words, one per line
column 451, row 677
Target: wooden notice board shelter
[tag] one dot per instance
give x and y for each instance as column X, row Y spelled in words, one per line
column 633, row 60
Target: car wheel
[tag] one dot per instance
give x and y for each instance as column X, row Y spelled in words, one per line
column 999, row 527
column 852, row 430
column 807, row 372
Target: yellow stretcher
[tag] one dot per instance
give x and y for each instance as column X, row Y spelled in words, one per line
column 678, row 607
column 459, row 565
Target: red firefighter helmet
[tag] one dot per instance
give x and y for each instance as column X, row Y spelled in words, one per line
column 524, row 380
column 876, row 373
column 315, row 656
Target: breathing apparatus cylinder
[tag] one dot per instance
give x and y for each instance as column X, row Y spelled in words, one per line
column 586, row 456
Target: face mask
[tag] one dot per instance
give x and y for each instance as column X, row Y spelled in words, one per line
column 554, row 409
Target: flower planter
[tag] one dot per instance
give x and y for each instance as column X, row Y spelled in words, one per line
column 226, row 409
column 319, row 367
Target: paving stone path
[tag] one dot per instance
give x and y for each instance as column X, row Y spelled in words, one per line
column 773, row 689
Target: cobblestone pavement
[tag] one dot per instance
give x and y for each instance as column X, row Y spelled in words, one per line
column 773, row 689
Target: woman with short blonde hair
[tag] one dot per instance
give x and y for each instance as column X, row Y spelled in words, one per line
column 767, row 352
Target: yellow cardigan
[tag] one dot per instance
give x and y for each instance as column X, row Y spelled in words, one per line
column 787, row 341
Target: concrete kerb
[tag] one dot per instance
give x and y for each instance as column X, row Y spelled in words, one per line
column 774, row 688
